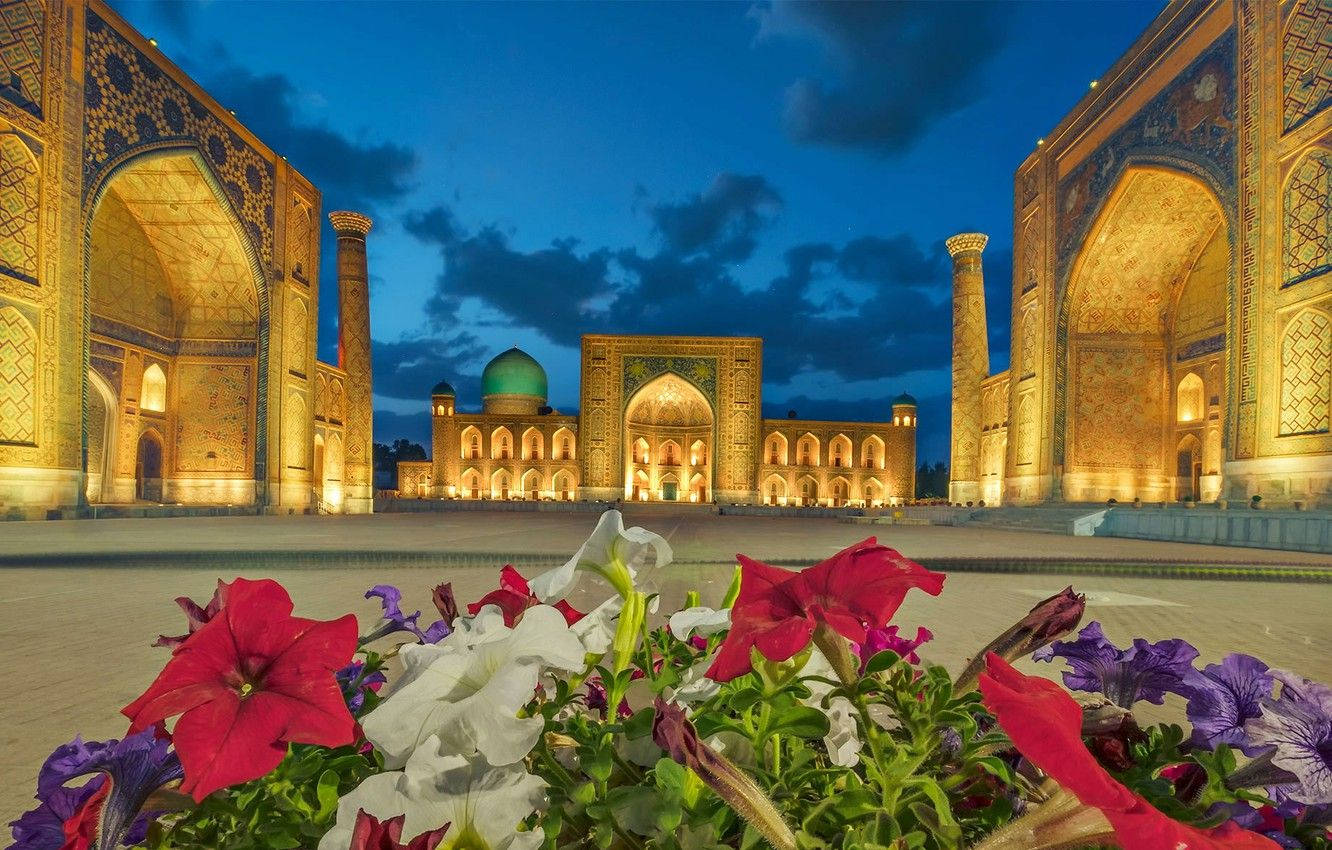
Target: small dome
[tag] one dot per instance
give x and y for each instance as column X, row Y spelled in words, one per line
column 904, row 398
column 443, row 388
column 514, row 373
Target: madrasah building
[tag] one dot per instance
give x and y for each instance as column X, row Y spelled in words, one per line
column 159, row 271
column 661, row 418
column 1172, row 278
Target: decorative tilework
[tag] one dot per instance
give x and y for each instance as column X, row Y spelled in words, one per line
column 699, row 371
column 131, row 104
column 1306, row 53
column 1308, row 207
column 18, row 377
column 1306, row 374
column 19, row 189
column 22, row 30
column 1191, row 122
column 215, row 437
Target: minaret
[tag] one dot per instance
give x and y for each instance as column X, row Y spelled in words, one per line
column 358, row 487
column 971, row 365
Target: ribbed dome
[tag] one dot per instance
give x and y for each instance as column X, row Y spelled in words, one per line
column 514, row 373
column 443, row 388
column 904, row 398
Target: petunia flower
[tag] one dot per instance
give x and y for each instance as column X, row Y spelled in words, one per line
column 1045, row 724
column 469, row 698
column 1298, row 725
column 1223, row 697
column 250, row 682
column 1144, row 671
column 613, row 553
column 369, row 833
column 350, row 675
column 777, row 611
column 107, row 809
column 878, row 640
column 195, row 616
column 482, row 804
column 514, row 596
column 390, row 599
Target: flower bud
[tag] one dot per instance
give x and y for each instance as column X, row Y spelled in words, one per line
column 673, row 732
column 1049, row 620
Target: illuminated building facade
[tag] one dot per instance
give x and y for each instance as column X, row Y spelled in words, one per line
column 159, row 275
column 1172, row 278
column 662, row 418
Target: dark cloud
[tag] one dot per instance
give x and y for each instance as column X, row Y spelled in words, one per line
column 895, row 323
column 900, row 67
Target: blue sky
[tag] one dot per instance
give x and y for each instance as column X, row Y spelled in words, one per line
column 540, row 170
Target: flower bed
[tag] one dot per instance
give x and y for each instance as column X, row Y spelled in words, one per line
column 793, row 715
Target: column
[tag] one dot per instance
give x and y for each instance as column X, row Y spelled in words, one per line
column 971, row 365
column 354, row 358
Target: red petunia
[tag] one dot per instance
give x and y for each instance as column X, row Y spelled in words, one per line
column 859, row 588
column 1045, row 724
column 251, row 681
column 514, row 597
column 370, row 833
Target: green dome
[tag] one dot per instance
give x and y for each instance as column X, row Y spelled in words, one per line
column 443, row 388
column 514, row 373
column 904, row 398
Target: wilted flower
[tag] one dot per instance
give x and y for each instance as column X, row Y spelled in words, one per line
column 469, row 698
column 1144, row 671
column 1298, row 724
column 612, row 552
column 390, row 599
column 250, row 682
column 777, row 611
column 196, row 617
column 1048, row 619
column 1223, row 697
column 673, row 732
column 481, row 803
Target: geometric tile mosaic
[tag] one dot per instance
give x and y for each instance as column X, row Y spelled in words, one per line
column 1306, row 53
column 18, row 378
column 22, row 27
column 1308, row 249
column 1306, row 374
column 19, row 188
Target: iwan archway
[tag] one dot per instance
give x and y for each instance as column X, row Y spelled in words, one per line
column 177, row 318
column 668, row 442
column 1146, row 349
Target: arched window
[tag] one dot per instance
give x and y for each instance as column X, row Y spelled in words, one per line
column 152, row 394
column 1189, row 404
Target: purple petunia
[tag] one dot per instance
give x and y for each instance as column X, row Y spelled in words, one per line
column 878, row 640
column 1298, row 725
column 1144, row 671
column 1223, row 697
column 396, row 621
column 371, row 682
column 137, row 766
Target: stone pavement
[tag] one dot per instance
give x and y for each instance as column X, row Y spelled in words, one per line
column 78, row 636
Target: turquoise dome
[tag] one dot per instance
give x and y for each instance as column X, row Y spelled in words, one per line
column 443, row 388
column 514, row 373
column 904, row 398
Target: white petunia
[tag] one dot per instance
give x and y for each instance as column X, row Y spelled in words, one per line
column 613, row 552
column 470, row 698
column 482, row 804
column 702, row 619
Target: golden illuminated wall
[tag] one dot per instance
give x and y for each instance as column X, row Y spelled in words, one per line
column 1172, row 286
column 726, row 371
column 200, row 271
